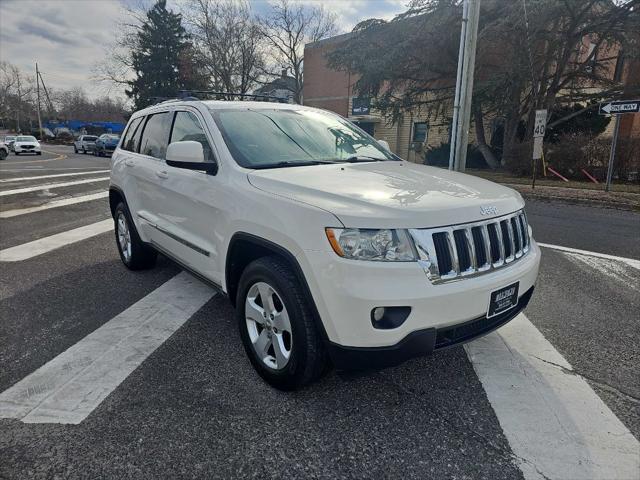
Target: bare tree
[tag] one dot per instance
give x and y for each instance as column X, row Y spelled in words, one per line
column 287, row 27
column 74, row 104
column 16, row 94
column 228, row 40
column 115, row 67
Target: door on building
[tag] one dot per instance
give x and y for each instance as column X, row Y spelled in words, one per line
column 368, row 127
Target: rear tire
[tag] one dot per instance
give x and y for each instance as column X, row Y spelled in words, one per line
column 3, row 154
column 75, row 150
column 291, row 361
column 134, row 253
column 38, row 153
column 17, row 153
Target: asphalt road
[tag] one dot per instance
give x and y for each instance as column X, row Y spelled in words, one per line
column 195, row 408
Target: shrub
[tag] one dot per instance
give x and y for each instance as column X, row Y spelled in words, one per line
column 439, row 156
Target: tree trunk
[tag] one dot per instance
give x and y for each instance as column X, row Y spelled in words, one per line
column 486, row 152
column 509, row 142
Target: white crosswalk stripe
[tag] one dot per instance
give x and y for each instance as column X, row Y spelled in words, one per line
column 50, row 186
column 54, row 204
column 53, row 242
column 53, row 175
column 556, row 425
column 69, row 387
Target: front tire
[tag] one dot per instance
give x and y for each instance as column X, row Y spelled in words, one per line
column 277, row 327
column 3, row 154
column 134, row 253
column 75, row 149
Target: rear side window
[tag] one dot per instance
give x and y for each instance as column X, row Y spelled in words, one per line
column 132, row 137
column 187, row 127
column 156, row 135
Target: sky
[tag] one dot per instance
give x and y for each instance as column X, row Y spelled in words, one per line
column 67, row 37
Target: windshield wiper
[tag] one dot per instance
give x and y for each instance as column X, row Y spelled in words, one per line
column 364, row 158
column 293, row 163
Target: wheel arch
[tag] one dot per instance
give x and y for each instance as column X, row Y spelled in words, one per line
column 115, row 197
column 244, row 248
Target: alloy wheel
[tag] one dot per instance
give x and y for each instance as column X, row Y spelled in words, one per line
column 268, row 325
column 124, row 236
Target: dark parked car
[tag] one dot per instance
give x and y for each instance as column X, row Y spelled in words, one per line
column 106, row 144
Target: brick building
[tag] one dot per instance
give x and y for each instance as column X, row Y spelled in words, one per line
column 414, row 132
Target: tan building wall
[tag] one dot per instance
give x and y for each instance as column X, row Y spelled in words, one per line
column 333, row 90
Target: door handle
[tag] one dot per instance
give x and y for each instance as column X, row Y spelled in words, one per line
column 129, row 163
column 162, row 174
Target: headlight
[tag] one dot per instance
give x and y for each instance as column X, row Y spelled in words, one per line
column 368, row 244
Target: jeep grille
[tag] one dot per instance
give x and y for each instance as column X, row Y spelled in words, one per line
column 470, row 249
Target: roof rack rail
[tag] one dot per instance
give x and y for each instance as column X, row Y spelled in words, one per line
column 225, row 95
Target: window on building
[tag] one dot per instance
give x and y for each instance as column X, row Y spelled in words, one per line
column 187, row 127
column 420, row 130
column 155, row 135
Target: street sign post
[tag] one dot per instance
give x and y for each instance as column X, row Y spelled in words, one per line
column 616, row 108
column 539, row 128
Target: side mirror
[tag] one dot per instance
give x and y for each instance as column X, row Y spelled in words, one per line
column 385, row 144
column 189, row 155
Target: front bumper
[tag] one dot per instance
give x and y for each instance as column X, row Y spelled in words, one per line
column 346, row 291
column 26, row 150
column 421, row 342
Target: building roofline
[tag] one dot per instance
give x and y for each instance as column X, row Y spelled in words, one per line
column 330, row 40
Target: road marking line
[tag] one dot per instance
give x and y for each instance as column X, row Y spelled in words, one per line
column 70, row 386
column 556, row 425
column 59, row 157
column 629, row 261
column 47, row 244
column 611, row 268
column 55, row 175
column 54, row 204
column 39, row 167
column 49, row 186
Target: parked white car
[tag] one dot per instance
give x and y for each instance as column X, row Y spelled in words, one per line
column 84, row 143
column 332, row 249
column 4, row 151
column 26, row 144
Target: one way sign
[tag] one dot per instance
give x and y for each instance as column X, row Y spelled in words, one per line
column 621, row 106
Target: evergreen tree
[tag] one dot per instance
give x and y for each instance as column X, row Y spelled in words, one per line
column 163, row 59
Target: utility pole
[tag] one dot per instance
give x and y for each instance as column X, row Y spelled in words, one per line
column 464, row 85
column 38, row 89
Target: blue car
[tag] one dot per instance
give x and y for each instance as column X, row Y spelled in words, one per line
column 106, row 144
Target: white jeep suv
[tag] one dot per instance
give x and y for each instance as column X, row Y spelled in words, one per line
column 332, row 249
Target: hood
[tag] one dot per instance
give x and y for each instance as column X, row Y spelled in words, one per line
column 389, row 194
column 27, row 143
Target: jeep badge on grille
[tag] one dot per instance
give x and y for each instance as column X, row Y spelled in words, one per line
column 488, row 210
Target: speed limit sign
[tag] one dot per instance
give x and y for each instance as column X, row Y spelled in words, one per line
column 540, row 124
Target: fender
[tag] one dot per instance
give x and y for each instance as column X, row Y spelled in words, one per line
column 289, row 257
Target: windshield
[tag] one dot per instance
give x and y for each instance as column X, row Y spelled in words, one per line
column 26, row 139
column 8, row 139
column 267, row 138
column 88, row 138
column 111, row 137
